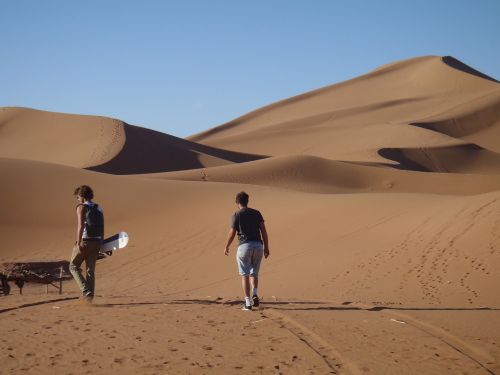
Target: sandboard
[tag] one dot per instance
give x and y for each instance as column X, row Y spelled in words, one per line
column 115, row 242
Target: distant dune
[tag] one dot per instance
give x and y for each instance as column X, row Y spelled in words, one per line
column 102, row 144
column 75, row 140
column 317, row 175
column 465, row 158
column 352, row 120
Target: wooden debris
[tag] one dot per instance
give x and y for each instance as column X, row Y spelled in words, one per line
column 48, row 273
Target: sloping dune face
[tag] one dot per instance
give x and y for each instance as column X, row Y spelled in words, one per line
column 149, row 151
column 313, row 174
column 102, row 144
column 325, row 246
column 423, row 102
column 74, row 140
column 476, row 121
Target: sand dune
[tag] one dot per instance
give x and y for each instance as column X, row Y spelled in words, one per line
column 476, row 121
column 465, row 158
column 147, row 151
column 102, row 144
column 75, row 140
column 414, row 83
column 381, row 197
column 318, row 175
column 350, row 120
column 170, row 233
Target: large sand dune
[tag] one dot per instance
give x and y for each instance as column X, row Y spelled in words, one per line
column 318, row 175
column 79, row 141
column 102, row 144
column 381, row 196
column 353, row 119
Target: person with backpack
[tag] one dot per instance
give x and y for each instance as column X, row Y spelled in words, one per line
column 253, row 245
column 90, row 233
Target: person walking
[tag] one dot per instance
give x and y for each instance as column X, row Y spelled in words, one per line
column 248, row 223
column 90, row 233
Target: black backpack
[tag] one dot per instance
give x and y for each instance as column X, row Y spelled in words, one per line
column 94, row 221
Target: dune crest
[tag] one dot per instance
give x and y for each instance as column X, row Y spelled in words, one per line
column 313, row 174
column 149, row 151
column 76, row 140
column 457, row 64
column 102, row 144
column 438, row 94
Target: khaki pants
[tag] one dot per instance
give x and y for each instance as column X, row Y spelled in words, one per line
column 89, row 255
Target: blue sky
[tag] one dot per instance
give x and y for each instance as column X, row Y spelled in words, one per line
column 186, row 66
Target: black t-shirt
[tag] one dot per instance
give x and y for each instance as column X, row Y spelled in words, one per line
column 247, row 223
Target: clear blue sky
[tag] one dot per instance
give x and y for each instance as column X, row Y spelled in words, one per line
column 185, row 66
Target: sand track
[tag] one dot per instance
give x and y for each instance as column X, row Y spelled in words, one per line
column 294, row 336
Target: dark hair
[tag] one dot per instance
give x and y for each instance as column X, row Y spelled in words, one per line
column 242, row 198
column 85, row 192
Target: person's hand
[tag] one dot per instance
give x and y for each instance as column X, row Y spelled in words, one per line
column 81, row 248
column 266, row 252
column 226, row 250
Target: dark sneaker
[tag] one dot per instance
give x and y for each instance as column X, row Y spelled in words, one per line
column 256, row 301
column 246, row 308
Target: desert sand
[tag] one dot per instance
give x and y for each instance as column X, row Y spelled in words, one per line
column 381, row 196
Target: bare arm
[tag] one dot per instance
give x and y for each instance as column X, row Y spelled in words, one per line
column 230, row 237
column 79, row 230
column 263, row 231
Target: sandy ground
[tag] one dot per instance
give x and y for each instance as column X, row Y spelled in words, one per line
column 184, row 334
column 381, row 196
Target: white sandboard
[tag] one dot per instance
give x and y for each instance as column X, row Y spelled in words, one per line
column 115, row 242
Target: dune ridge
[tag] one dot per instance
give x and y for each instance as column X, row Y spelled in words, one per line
column 319, row 175
column 76, row 140
column 476, row 121
column 148, row 151
column 437, row 94
column 464, row 158
column 102, row 144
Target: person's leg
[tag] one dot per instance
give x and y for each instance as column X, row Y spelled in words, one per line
column 74, row 267
column 254, row 281
column 257, row 254
column 254, row 284
column 92, row 249
column 245, row 283
column 243, row 258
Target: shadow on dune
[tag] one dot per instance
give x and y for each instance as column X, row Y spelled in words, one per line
column 456, row 64
column 405, row 162
column 149, row 151
column 465, row 158
column 472, row 117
